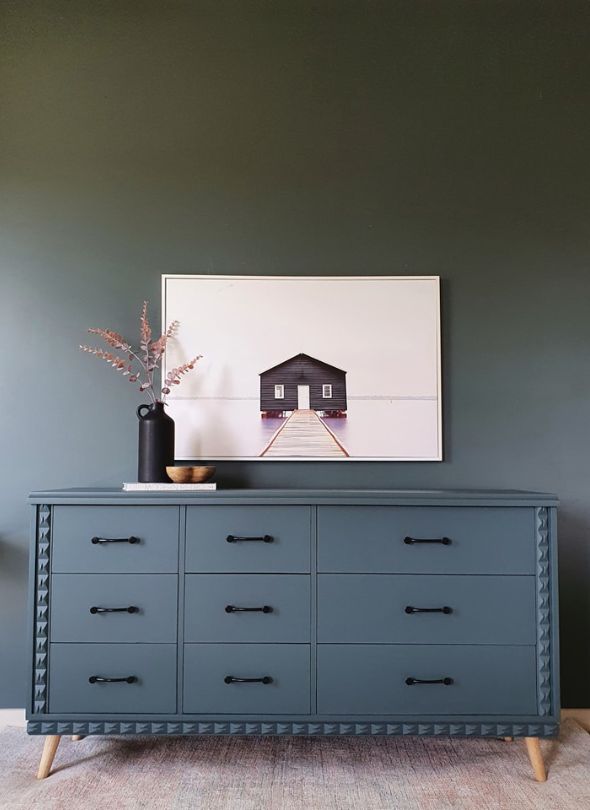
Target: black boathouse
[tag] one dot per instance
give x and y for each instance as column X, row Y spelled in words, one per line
column 303, row 382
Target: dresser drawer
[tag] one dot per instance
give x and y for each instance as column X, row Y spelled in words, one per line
column 207, row 666
column 371, row 679
column 152, row 665
column 376, row 608
column 87, row 607
column 153, row 529
column 379, row 539
column 213, row 602
column 287, row 530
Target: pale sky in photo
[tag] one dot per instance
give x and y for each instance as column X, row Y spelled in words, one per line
column 382, row 332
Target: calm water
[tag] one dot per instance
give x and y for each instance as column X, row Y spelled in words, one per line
column 215, row 429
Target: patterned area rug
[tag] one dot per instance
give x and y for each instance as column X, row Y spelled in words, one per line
column 294, row 773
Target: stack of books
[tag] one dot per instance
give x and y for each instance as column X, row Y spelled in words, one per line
column 137, row 487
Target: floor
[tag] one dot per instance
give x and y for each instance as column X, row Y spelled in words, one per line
column 12, row 717
column 294, row 773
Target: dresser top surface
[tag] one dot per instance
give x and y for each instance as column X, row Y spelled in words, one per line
column 394, row 497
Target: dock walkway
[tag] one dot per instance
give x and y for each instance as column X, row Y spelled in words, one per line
column 304, row 434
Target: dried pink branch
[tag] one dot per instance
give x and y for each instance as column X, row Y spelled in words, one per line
column 113, row 339
column 145, row 330
column 156, row 349
column 153, row 351
column 116, row 362
column 172, row 329
column 174, row 376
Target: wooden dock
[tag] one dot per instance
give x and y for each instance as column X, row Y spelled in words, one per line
column 304, row 434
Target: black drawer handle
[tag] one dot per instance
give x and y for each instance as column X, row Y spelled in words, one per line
column 132, row 540
column 414, row 681
column 234, row 609
column 233, row 538
column 99, row 679
column 130, row 609
column 411, row 541
column 230, row 679
column 445, row 609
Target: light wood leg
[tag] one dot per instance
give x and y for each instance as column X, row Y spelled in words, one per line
column 508, row 739
column 47, row 756
column 77, row 737
column 533, row 747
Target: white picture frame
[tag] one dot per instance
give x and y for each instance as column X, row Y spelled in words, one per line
column 369, row 346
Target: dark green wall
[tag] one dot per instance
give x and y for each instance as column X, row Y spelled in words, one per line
column 438, row 137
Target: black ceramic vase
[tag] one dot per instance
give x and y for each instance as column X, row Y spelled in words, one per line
column 156, row 444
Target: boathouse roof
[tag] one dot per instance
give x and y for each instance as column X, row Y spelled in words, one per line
column 303, row 356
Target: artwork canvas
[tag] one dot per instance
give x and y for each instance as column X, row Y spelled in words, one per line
column 298, row 368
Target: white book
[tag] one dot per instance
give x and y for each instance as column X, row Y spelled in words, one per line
column 134, row 486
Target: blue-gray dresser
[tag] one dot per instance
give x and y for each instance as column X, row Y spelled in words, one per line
column 294, row 612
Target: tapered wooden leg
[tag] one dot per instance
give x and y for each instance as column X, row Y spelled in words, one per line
column 508, row 739
column 77, row 737
column 47, row 756
column 533, row 747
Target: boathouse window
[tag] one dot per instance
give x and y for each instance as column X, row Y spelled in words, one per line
column 327, row 391
column 280, row 392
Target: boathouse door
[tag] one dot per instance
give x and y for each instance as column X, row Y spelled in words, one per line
column 303, row 397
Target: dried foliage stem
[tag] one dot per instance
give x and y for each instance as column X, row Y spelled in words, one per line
column 152, row 352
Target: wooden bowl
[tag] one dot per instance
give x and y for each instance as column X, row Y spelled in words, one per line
column 190, row 475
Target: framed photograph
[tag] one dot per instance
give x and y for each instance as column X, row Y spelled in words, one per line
column 306, row 368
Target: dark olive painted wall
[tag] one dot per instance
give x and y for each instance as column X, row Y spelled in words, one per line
column 438, row 137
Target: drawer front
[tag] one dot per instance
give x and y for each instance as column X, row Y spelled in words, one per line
column 207, row 665
column 371, row 679
column 208, row 550
column 153, row 665
column 371, row 539
column 365, row 608
column 211, row 601
column 78, row 601
column 154, row 527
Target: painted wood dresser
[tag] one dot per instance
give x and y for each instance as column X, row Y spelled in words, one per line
column 256, row 612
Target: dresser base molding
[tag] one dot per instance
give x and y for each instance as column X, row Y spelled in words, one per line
column 295, row 728
column 52, row 741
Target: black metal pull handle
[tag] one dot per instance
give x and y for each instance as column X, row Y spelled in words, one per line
column 231, row 679
column 234, row 538
column 100, row 679
column 130, row 609
column 234, row 609
column 445, row 609
column 411, row 541
column 414, row 681
column 132, row 540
